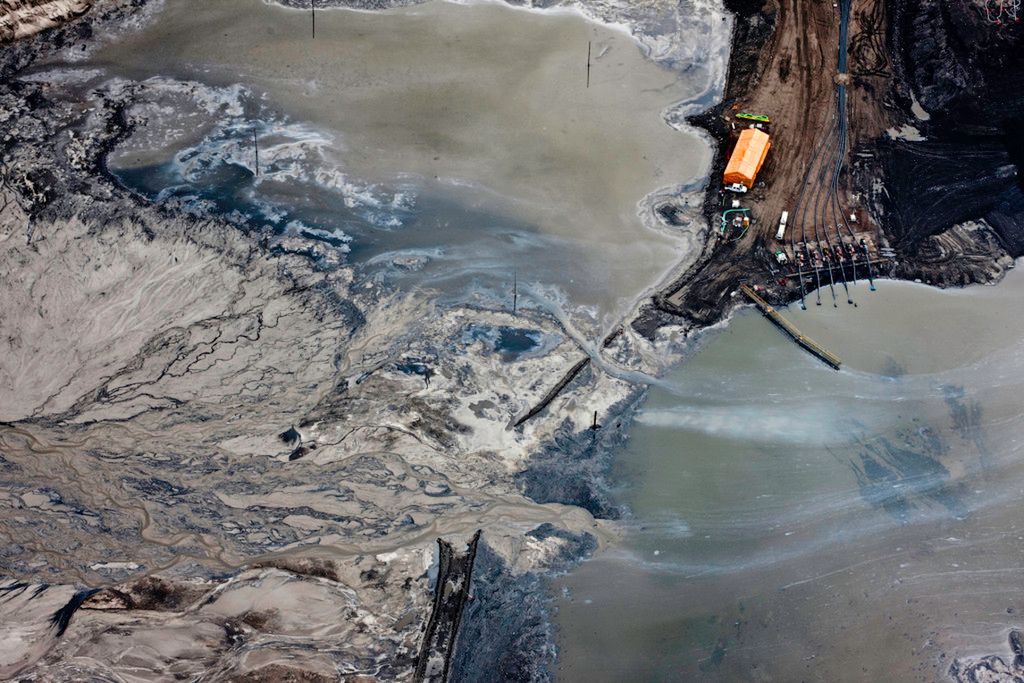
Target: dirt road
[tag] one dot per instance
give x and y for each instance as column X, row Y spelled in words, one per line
column 785, row 65
column 926, row 190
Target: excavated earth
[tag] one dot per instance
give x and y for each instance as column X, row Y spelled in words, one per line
column 934, row 164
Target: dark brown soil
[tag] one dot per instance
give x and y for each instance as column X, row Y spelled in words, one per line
column 907, row 196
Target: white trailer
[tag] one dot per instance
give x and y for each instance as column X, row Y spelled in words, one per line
column 782, row 226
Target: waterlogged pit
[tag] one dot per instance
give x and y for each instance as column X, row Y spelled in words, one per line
column 443, row 143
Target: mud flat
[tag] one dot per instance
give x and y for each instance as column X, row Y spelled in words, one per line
column 226, row 447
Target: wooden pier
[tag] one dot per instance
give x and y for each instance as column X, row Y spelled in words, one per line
column 788, row 327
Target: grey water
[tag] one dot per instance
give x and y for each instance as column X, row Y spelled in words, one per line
column 447, row 146
column 789, row 522
column 786, row 522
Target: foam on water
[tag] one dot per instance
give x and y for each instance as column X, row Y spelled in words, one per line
column 750, row 423
column 220, row 166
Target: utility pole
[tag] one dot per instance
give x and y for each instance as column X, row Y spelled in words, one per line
column 312, row 12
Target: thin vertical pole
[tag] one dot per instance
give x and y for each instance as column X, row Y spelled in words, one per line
column 588, row 63
column 515, row 290
column 867, row 257
column 312, row 12
column 256, row 145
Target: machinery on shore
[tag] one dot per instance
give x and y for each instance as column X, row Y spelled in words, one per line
column 757, row 118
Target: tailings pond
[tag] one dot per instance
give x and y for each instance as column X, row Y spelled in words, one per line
column 441, row 145
column 789, row 522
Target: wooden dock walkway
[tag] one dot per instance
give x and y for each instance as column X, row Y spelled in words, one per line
column 790, row 329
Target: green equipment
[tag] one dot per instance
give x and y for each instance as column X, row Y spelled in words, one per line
column 760, row 118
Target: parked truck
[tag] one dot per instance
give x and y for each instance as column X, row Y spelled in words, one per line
column 782, row 226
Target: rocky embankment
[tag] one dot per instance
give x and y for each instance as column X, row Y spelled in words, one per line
column 957, row 79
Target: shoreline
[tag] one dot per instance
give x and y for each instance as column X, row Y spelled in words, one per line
column 428, row 440
column 515, row 578
column 950, row 255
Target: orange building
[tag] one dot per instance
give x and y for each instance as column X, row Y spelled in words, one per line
column 747, row 158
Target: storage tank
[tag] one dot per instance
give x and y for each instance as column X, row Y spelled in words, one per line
column 746, row 160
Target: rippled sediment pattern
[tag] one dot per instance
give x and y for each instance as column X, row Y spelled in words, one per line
column 23, row 18
column 227, row 445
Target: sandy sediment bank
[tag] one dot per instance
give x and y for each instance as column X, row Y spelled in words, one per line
column 24, row 18
column 220, row 428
